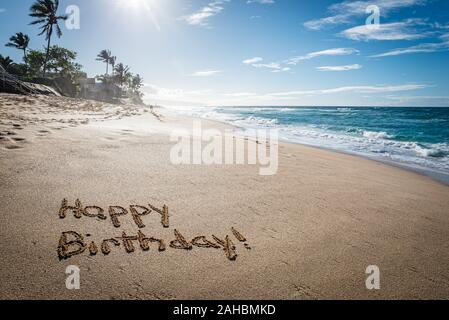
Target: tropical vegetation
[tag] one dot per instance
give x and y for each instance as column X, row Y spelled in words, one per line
column 53, row 61
column 46, row 14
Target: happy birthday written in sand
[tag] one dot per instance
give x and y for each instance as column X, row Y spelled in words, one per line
column 72, row 243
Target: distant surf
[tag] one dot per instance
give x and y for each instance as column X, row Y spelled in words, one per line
column 417, row 138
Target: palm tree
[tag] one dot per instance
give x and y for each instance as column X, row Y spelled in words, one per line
column 105, row 56
column 112, row 62
column 46, row 12
column 122, row 73
column 136, row 83
column 19, row 41
column 6, row 62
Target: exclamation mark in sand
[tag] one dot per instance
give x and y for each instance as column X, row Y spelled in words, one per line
column 240, row 238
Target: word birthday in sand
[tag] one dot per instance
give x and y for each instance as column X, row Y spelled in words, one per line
column 72, row 243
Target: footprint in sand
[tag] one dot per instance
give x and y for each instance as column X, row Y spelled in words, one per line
column 13, row 147
column 43, row 133
column 7, row 133
column 126, row 132
column 17, row 127
column 5, row 140
column 18, row 139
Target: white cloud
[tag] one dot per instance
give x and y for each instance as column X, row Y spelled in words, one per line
column 340, row 68
column 180, row 97
column 206, row 73
column 285, row 69
column 419, row 97
column 344, row 12
column 252, row 60
column 320, row 23
column 152, row 89
column 260, row 1
column 202, row 16
column 256, row 62
column 354, row 89
column 328, row 52
column 158, row 95
column 284, row 66
column 434, row 101
column 241, row 94
column 271, row 65
column 420, row 48
column 404, row 30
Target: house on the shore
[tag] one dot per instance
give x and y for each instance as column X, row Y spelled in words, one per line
column 91, row 89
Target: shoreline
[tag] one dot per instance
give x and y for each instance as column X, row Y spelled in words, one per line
column 423, row 171
column 428, row 173
column 313, row 228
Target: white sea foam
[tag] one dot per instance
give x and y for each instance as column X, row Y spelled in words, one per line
column 261, row 121
column 377, row 135
column 439, row 150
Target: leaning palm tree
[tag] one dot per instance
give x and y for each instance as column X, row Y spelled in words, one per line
column 19, row 41
column 112, row 62
column 46, row 12
column 105, row 56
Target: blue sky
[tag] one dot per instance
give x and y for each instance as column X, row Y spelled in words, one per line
column 262, row 52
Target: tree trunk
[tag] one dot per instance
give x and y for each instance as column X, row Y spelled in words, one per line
column 107, row 68
column 48, row 51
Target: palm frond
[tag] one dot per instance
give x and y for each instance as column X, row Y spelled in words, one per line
column 58, row 30
column 39, row 21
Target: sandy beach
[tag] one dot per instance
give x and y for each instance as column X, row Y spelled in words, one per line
column 310, row 231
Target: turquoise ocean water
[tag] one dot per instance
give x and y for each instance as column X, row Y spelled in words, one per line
column 417, row 138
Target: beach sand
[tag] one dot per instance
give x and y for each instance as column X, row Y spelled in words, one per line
column 313, row 228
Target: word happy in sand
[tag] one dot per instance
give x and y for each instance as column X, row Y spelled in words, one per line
column 72, row 243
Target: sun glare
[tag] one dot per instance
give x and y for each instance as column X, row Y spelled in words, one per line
column 140, row 7
column 136, row 3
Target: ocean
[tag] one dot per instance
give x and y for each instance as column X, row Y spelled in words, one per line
column 416, row 138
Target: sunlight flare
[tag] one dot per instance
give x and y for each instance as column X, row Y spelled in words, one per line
column 141, row 7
